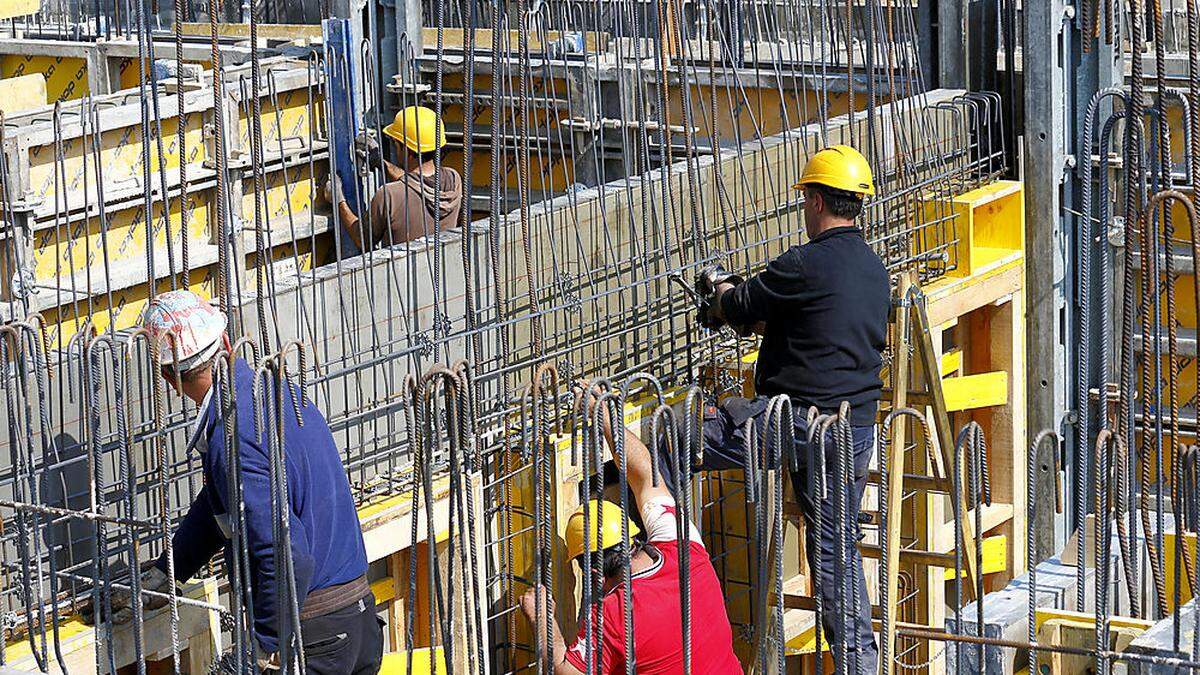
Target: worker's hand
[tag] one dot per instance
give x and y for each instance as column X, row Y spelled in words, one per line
column 366, row 150
column 537, row 603
column 712, row 277
column 153, row 580
column 586, row 395
column 333, row 190
column 710, row 282
column 268, row 662
column 156, row 581
column 117, row 607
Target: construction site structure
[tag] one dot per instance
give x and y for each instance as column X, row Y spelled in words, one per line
column 1034, row 473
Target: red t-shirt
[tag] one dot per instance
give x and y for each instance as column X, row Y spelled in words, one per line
column 657, row 628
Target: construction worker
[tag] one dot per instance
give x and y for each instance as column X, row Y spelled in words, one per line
column 652, row 557
column 822, row 309
column 340, row 631
column 417, row 196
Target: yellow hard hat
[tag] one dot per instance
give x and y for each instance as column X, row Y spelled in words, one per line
column 840, row 167
column 598, row 510
column 418, row 128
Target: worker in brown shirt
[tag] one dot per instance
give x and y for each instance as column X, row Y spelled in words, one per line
column 416, row 196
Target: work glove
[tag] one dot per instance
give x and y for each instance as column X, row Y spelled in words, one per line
column 366, row 150
column 153, row 580
column 705, row 285
column 230, row 664
column 268, row 662
column 333, row 190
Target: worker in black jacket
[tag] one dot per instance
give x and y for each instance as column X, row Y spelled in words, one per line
column 822, row 309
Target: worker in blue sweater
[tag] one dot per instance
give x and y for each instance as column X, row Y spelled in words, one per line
column 338, row 626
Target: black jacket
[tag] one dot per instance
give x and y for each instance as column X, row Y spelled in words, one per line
column 826, row 308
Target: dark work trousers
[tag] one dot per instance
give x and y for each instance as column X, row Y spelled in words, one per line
column 725, row 448
column 346, row 641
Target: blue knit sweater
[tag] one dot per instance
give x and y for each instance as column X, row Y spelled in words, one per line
column 326, row 540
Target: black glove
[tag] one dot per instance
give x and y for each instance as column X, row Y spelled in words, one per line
column 707, row 281
column 366, row 150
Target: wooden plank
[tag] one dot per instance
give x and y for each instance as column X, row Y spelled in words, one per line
column 945, row 434
column 266, row 31
column 454, row 38
column 949, row 299
column 895, row 465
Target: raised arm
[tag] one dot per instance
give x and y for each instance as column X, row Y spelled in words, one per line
column 639, row 471
column 638, row 463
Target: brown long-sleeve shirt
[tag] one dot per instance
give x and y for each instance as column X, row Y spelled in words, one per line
column 411, row 207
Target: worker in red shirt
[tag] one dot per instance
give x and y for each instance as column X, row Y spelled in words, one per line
column 653, row 558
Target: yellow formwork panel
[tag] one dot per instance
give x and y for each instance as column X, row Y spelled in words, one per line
column 130, row 75
column 120, row 156
column 66, row 76
column 295, row 119
column 68, row 249
column 1170, row 542
column 24, row 92
column 13, row 8
column 295, row 190
column 759, row 112
column 545, row 172
column 124, row 311
column 989, row 224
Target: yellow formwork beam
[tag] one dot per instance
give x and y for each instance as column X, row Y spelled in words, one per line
column 423, row 662
column 1185, row 588
column 975, row 391
column 995, row 556
column 989, row 224
column 951, row 362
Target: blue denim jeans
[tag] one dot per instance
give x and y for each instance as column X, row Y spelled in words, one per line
column 725, row 448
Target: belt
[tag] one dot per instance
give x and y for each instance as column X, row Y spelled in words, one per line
column 330, row 599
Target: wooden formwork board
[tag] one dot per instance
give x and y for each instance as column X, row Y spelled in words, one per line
column 199, row 639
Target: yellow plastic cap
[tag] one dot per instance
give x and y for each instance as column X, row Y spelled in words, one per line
column 418, row 128
column 840, row 167
column 604, row 523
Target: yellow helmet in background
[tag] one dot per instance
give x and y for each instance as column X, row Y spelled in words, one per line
column 604, row 528
column 840, row 167
column 418, row 128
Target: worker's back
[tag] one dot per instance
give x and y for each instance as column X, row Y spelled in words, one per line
column 826, row 306
column 327, row 545
column 657, row 616
column 415, row 206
